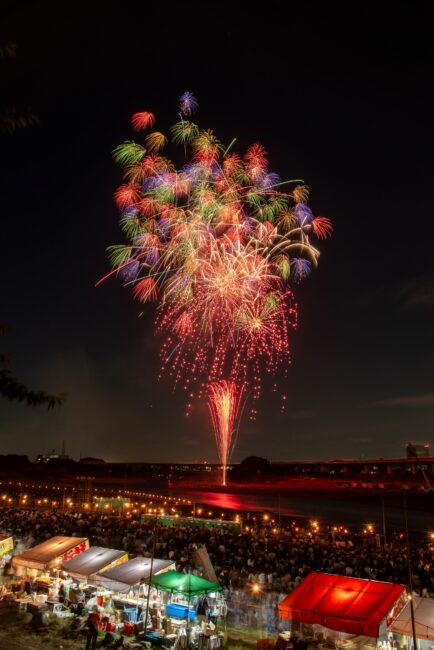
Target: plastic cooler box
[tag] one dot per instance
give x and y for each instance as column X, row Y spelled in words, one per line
column 180, row 611
column 155, row 638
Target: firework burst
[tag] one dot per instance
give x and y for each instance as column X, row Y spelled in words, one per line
column 217, row 244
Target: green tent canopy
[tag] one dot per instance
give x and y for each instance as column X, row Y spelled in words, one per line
column 184, row 583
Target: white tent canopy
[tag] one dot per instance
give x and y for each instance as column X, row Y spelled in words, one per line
column 95, row 559
column 423, row 616
column 51, row 553
column 128, row 574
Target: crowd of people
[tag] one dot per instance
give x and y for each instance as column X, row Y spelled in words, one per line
column 263, row 558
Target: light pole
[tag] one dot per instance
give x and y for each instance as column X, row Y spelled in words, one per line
column 384, row 520
column 410, row 574
column 150, row 573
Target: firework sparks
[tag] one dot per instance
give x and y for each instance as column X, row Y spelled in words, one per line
column 225, row 401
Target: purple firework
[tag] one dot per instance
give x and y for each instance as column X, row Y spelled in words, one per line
column 130, row 271
column 270, row 180
column 187, row 103
column 303, row 213
column 300, row 268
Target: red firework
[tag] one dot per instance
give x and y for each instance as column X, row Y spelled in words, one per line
column 224, row 402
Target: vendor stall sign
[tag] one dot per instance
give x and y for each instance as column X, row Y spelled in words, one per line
column 203, row 562
column 398, row 606
column 6, row 545
column 83, row 546
column 112, row 504
column 120, row 560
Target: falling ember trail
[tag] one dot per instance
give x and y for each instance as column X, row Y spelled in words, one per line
column 224, row 401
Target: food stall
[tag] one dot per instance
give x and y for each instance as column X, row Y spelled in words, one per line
column 40, row 566
column 424, row 623
column 341, row 612
column 48, row 555
column 188, row 611
column 120, row 592
column 177, row 520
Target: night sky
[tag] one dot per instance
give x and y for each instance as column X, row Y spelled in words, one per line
column 342, row 98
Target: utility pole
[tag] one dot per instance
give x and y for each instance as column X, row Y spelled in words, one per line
column 150, row 573
column 384, row 520
column 410, row 574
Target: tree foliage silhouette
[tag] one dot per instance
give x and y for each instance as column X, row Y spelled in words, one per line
column 14, row 390
column 13, row 117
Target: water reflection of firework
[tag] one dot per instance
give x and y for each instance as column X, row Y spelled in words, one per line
column 225, row 401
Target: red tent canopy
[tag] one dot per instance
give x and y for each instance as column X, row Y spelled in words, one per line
column 344, row 604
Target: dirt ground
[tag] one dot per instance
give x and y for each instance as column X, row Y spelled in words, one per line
column 15, row 634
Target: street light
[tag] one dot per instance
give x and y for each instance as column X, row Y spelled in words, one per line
column 150, row 573
column 410, row 574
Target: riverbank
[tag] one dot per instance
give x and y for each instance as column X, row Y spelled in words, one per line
column 309, row 484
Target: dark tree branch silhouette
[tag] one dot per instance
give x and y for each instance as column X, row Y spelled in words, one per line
column 12, row 117
column 14, row 390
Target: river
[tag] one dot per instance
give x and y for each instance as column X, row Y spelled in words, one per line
column 337, row 508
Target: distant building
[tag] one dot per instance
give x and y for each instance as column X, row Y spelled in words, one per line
column 44, row 458
column 415, row 450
